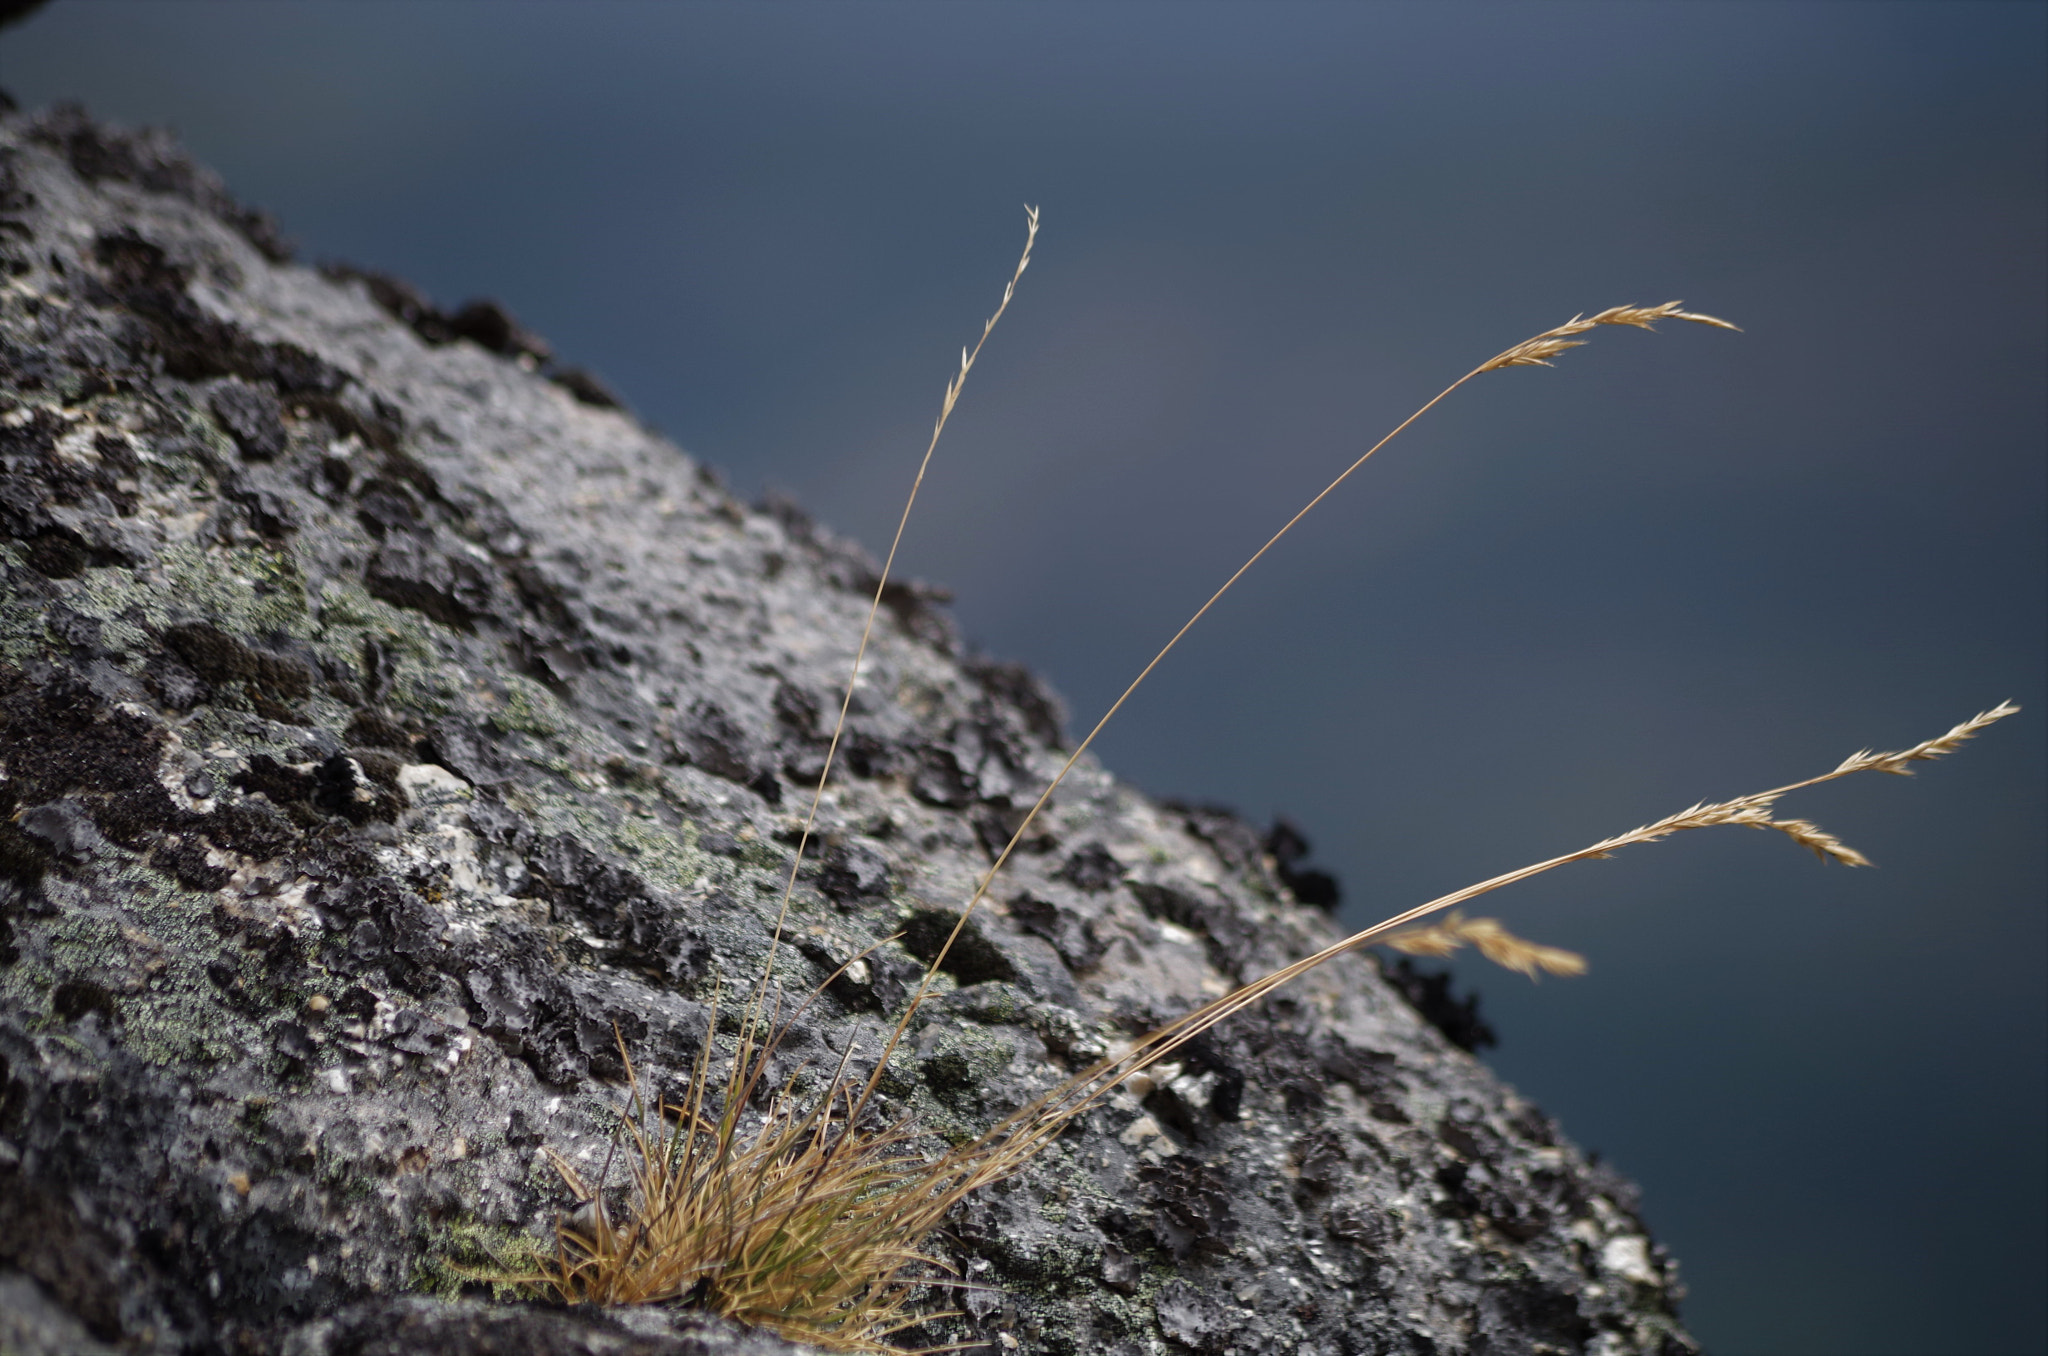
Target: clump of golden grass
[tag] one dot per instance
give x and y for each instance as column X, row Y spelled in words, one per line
column 811, row 1218
column 784, row 1219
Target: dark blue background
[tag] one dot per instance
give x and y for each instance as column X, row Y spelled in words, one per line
column 1680, row 566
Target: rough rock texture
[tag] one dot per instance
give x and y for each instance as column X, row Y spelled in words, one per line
column 383, row 723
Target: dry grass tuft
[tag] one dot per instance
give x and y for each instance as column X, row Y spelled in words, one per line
column 811, row 1217
column 808, row 1218
column 789, row 1219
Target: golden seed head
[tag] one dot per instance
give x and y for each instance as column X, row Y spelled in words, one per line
column 1495, row 943
column 1538, row 351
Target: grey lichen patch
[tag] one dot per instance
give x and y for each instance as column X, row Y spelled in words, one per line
column 992, row 1003
column 527, row 707
column 1058, row 1264
column 181, row 1021
column 343, row 1177
column 667, row 855
column 763, row 856
column 1128, row 1316
column 109, row 595
column 82, row 941
column 244, row 590
column 177, row 1009
column 959, row 1063
column 25, row 987
column 24, row 628
column 463, row 1256
column 412, row 650
column 348, row 611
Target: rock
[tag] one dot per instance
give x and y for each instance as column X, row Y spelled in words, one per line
column 391, row 733
column 414, row 1326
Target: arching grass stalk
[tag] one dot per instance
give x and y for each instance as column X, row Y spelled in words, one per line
column 1022, row 1135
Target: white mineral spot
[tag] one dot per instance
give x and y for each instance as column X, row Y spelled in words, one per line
column 429, row 784
column 457, row 851
column 337, row 1081
column 1140, row 1130
column 1140, row 1084
column 1629, row 1256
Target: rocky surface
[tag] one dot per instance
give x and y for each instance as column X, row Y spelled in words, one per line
column 386, row 718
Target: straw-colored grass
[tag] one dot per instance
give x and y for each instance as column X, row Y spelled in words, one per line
column 784, row 1219
column 811, row 1218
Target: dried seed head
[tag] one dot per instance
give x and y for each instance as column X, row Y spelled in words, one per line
column 1898, row 764
column 1645, row 317
column 1535, row 352
column 1824, row 844
column 1437, row 939
column 1505, row 949
column 1495, row 943
column 1538, row 351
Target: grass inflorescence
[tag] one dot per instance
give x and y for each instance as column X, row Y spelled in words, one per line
column 811, row 1217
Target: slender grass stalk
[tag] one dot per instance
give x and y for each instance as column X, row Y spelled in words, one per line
column 954, row 387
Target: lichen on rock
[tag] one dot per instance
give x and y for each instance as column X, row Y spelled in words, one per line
column 388, row 731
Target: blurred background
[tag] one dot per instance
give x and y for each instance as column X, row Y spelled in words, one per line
column 1680, row 566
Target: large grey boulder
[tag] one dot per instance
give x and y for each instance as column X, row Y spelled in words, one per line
column 387, row 719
